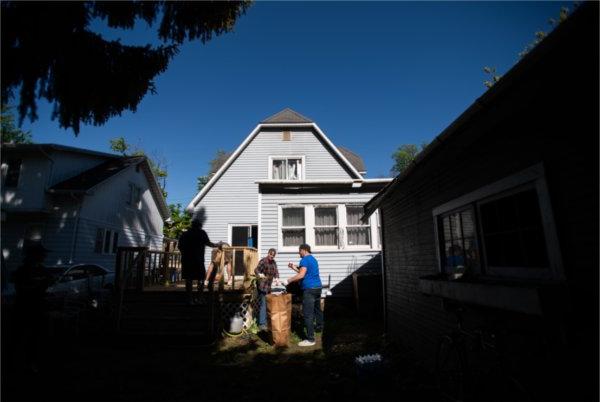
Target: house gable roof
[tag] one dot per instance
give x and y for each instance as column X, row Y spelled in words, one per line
column 90, row 178
column 57, row 147
column 269, row 123
column 353, row 158
column 287, row 115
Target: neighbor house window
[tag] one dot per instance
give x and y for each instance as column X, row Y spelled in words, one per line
column 293, row 228
column 106, row 241
column 135, row 196
column 286, row 168
column 326, row 226
column 12, row 173
column 357, row 232
column 459, row 242
column 501, row 230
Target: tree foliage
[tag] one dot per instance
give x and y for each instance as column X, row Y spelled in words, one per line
column 49, row 51
column 215, row 164
column 10, row 132
column 157, row 164
column 404, row 156
column 180, row 221
column 539, row 36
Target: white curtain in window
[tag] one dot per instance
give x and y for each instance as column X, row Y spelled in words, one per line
column 353, row 214
column 326, row 236
column 293, row 237
column 326, row 216
column 359, row 233
column 294, row 167
column 293, row 217
column 358, row 236
column 278, row 169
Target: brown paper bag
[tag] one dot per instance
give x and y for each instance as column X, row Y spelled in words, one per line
column 279, row 309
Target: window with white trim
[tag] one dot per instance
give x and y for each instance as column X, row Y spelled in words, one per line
column 505, row 230
column 358, row 233
column 293, row 227
column 106, row 241
column 286, row 168
column 326, row 226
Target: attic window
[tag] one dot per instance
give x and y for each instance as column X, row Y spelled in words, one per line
column 286, row 168
column 287, row 136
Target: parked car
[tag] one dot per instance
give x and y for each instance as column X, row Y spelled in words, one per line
column 80, row 281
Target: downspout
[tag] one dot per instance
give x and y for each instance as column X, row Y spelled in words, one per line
column 75, row 229
column 383, row 277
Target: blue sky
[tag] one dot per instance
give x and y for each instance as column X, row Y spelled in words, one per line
column 373, row 76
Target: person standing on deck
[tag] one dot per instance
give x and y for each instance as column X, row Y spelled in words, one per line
column 308, row 273
column 191, row 244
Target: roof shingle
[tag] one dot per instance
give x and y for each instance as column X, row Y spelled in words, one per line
column 287, row 115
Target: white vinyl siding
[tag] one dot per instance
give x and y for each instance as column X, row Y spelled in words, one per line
column 234, row 196
column 334, row 262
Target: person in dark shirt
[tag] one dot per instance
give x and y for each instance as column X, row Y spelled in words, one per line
column 31, row 282
column 192, row 244
column 265, row 271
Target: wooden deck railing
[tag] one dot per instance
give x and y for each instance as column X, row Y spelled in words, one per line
column 246, row 256
column 138, row 268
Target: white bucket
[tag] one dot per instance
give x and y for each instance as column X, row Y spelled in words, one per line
column 236, row 324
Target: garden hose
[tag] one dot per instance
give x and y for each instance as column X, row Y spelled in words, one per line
column 243, row 332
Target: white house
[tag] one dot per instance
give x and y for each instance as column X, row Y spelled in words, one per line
column 288, row 184
column 81, row 204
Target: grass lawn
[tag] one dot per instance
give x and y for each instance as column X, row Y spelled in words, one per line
column 246, row 367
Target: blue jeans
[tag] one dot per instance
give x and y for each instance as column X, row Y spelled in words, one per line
column 262, row 308
column 311, row 310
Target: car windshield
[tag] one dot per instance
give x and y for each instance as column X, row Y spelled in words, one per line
column 57, row 271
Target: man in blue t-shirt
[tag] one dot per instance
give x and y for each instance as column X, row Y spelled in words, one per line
column 308, row 273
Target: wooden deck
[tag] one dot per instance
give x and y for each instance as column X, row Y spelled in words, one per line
column 238, row 286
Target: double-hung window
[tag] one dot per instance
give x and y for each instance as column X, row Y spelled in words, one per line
column 286, row 168
column 358, row 233
column 326, row 226
column 505, row 229
column 135, row 196
column 106, row 241
column 293, row 226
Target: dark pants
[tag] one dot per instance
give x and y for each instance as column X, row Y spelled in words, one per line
column 311, row 310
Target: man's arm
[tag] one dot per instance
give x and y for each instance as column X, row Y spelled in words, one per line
column 299, row 276
column 259, row 268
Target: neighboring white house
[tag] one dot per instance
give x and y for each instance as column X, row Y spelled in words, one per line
column 288, row 184
column 81, row 204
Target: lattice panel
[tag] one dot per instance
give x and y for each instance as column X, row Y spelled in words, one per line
column 247, row 309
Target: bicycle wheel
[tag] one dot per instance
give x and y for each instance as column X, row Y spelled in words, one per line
column 450, row 369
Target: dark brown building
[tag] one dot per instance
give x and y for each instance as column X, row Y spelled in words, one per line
column 499, row 215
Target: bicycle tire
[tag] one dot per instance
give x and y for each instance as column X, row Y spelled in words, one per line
column 450, row 369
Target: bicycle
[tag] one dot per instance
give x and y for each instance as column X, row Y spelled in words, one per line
column 472, row 366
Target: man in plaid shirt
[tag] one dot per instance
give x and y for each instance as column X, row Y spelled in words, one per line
column 265, row 271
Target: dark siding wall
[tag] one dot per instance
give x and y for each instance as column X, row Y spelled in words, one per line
column 549, row 116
